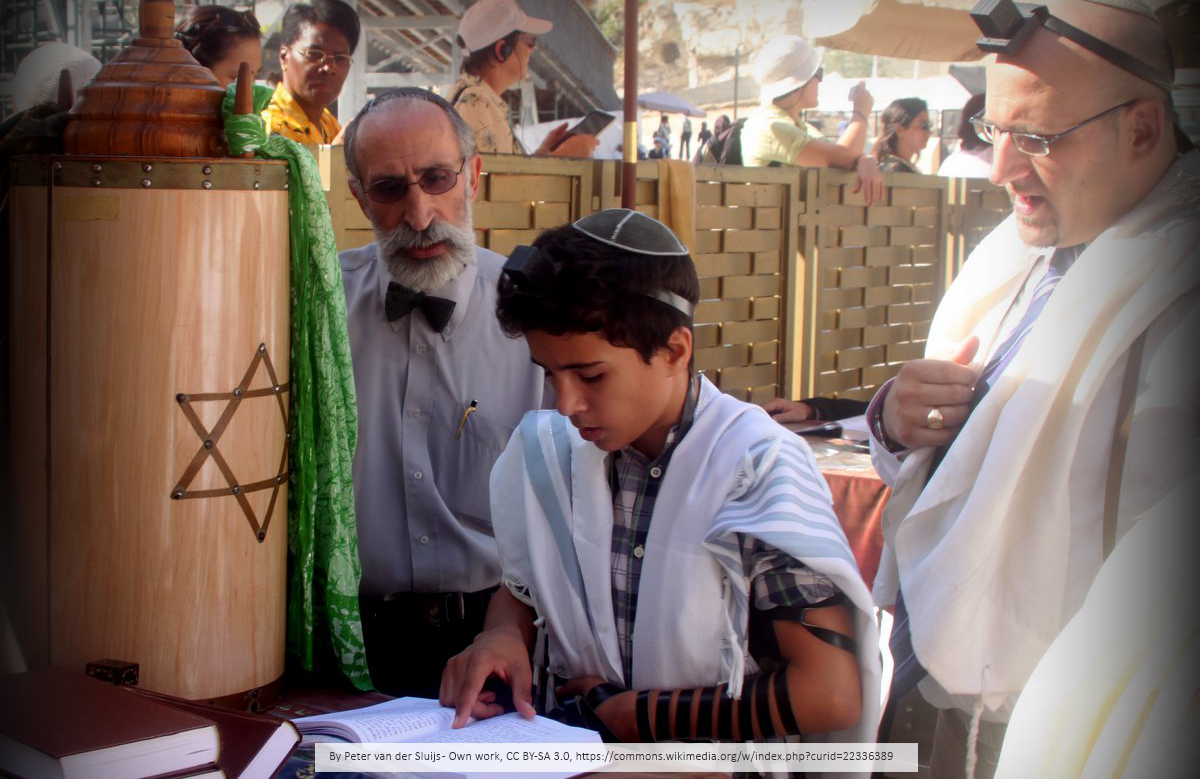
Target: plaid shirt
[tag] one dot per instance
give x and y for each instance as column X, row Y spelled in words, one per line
column 776, row 578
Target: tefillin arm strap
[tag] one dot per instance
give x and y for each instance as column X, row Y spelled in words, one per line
column 708, row 713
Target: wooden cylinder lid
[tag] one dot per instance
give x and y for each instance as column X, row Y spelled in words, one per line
column 152, row 99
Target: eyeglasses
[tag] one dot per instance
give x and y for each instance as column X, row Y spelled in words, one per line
column 318, row 57
column 434, row 181
column 1034, row 144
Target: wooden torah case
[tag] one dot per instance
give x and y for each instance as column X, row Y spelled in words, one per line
column 150, row 392
column 152, row 99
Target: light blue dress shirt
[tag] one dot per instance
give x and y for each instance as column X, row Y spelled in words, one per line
column 421, row 491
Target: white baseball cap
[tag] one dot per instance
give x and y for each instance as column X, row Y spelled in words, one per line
column 783, row 65
column 490, row 20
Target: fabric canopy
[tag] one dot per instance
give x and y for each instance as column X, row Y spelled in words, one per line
column 936, row 30
column 667, row 103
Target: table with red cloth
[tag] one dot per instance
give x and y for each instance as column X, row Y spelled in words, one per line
column 859, row 496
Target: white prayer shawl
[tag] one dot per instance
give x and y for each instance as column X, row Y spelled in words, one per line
column 981, row 551
column 553, row 516
column 1114, row 694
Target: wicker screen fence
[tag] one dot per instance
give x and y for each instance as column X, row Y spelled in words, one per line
column 805, row 290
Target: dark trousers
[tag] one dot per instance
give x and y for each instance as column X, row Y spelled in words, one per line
column 410, row 636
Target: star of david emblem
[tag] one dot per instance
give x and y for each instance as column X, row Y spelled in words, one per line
column 210, row 439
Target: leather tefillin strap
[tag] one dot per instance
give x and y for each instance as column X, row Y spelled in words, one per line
column 683, row 712
column 735, row 718
column 642, row 711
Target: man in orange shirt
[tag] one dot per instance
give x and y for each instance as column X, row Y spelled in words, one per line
column 318, row 41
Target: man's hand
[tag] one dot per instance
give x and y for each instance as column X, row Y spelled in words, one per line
column 499, row 651
column 868, row 179
column 922, row 385
column 783, row 410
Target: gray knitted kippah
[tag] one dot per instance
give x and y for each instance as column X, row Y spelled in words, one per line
column 632, row 231
column 637, row 233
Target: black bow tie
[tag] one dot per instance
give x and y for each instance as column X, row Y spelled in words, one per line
column 400, row 302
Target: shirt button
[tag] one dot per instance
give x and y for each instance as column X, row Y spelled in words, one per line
column 655, row 472
column 416, row 412
column 424, row 539
column 418, row 475
column 639, row 552
column 422, row 348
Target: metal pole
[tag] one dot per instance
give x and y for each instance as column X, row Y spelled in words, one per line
column 737, row 58
column 629, row 163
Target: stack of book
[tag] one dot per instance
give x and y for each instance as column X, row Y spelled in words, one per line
column 61, row 724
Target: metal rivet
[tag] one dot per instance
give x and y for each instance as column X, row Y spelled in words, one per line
column 147, row 167
column 236, row 490
column 279, row 480
column 95, row 182
column 207, row 170
column 237, row 393
column 206, row 184
column 262, row 348
column 278, row 389
column 208, row 444
column 58, row 166
column 257, row 185
column 146, row 183
column 177, row 495
column 96, row 167
column 181, row 398
column 285, row 185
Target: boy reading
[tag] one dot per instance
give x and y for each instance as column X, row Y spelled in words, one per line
column 672, row 549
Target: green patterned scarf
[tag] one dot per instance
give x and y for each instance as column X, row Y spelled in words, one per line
column 323, row 567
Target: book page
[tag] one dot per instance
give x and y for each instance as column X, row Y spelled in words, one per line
column 513, row 729
column 397, row 720
column 424, row 720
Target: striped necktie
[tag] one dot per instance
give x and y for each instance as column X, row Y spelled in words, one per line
column 1059, row 263
column 907, row 671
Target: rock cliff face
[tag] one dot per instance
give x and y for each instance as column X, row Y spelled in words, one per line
column 688, row 43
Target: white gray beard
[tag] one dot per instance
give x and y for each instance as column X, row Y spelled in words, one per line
column 427, row 275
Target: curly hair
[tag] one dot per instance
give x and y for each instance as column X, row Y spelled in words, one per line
column 210, row 31
column 585, row 286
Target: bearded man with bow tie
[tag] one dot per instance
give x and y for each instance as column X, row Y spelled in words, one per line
column 440, row 388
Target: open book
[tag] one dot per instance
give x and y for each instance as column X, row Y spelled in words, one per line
column 425, row 720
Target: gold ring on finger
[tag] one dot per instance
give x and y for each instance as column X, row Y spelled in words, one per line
column 934, row 419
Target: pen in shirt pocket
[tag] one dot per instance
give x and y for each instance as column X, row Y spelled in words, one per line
column 466, row 413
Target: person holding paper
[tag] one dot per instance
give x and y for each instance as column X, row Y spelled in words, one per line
column 501, row 38
column 677, row 547
column 440, row 388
